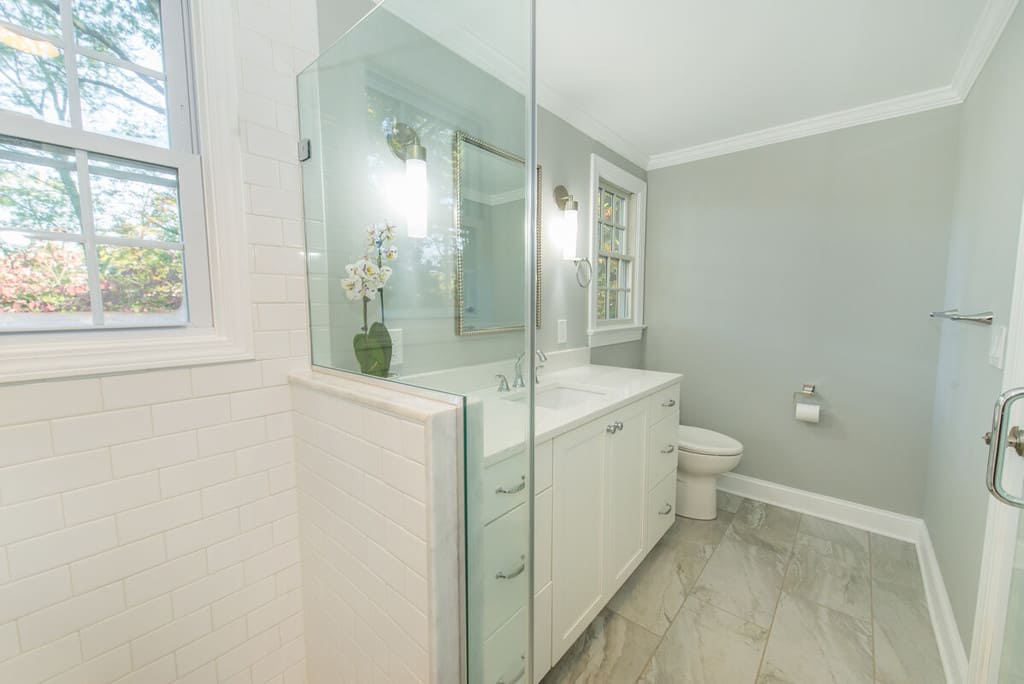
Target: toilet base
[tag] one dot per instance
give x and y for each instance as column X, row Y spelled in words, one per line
column 697, row 496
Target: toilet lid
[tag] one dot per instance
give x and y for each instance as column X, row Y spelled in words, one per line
column 701, row 441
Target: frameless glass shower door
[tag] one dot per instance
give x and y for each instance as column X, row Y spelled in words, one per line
column 417, row 130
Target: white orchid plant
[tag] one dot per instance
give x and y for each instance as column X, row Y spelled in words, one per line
column 368, row 276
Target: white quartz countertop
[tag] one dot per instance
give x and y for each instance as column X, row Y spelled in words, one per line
column 565, row 400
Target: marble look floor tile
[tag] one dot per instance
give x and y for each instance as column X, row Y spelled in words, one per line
column 821, row 578
column 729, row 502
column 700, row 531
column 612, row 650
column 743, row 577
column 811, row 643
column 905, row 648
column 845, row 544
column 896, row 561
column 769, row 524
column 707, row 645
column 655, row 592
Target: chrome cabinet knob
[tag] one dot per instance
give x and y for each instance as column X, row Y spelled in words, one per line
column 669, row 404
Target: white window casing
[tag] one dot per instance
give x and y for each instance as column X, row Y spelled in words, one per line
column 606, row 332
column 202, row 116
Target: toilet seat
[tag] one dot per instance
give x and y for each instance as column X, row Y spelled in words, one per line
column 700, row 441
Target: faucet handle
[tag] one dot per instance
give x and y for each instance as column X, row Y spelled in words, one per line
column 502, row 383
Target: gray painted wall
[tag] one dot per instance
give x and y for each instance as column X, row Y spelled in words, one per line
column 986, row 225
column 564, row 155
column 817, row 261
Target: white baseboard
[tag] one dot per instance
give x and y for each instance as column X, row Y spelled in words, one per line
column 875, row 520
column 951, row 647
column 879, row 521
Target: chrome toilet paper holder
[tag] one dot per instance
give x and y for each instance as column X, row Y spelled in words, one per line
column 806, row 392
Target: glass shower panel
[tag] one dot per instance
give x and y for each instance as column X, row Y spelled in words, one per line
column 416, row 125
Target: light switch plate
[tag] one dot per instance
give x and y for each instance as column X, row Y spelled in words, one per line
column 997, row 346
column 563, row 331
column 396, row 347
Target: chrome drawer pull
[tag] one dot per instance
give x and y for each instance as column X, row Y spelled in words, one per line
column 669, row 404
column 515, row 573
column 519, row 675
column 612, row 429
column 666, row 510
column 512, row 490
column 669, row 449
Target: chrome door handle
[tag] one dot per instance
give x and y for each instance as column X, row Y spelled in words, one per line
column 998, row 440
column 512, row 574
column 669, row 404
column 666, row 510
column 512, row 490
column 669, row 449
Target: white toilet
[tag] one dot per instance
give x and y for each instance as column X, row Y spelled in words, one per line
column 703, row 456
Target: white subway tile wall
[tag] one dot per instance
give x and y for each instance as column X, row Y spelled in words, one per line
column 364, row 528
column 148, row 529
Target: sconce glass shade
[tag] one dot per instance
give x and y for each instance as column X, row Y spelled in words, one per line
column 570, row 228
column 416, row 197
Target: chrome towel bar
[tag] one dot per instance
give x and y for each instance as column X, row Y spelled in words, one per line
column 985, row 317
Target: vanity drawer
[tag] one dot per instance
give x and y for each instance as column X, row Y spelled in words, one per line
column 505, row 585
column 504, row 487
column 505, row 652
column 661, row 450
column 661, row 508
column 664, row 403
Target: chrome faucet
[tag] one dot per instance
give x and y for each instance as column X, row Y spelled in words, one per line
column 502, row 383
column 542, row 357
column 518, row 381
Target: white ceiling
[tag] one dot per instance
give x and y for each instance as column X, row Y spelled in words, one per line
column 664, row 82
column 677, row 79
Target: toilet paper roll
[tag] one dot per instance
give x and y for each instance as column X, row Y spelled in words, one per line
column 808, row 413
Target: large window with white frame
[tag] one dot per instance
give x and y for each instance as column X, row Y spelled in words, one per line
column 101, row 210
column 618, row 210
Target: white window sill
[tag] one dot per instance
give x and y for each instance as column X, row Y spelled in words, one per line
column 66, row 355
column 620, row 334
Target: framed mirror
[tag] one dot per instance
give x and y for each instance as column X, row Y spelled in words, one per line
column 490, row 256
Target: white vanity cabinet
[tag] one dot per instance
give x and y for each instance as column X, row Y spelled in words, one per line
column 604, row 496
column 608, row 509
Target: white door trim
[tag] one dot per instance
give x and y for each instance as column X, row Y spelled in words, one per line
column 1002, row 522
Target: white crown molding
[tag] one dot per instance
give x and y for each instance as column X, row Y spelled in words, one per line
column 900, row 106
column 984, row 38
column 579, row 119
column 987, row 31
column 471, row 47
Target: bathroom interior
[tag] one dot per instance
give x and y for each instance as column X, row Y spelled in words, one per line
column 504, row 341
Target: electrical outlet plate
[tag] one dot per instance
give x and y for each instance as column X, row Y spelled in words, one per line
column 396, row 347
column 563, row 331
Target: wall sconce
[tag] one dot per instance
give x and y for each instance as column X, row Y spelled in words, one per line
column 568, row 234
column 405, row 144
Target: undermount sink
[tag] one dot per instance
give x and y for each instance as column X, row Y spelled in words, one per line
column 560, row 396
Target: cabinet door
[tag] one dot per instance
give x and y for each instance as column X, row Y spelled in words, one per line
column 625, row 496
column 578, row 528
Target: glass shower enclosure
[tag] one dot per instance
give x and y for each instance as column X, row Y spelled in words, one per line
column 419, row 187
